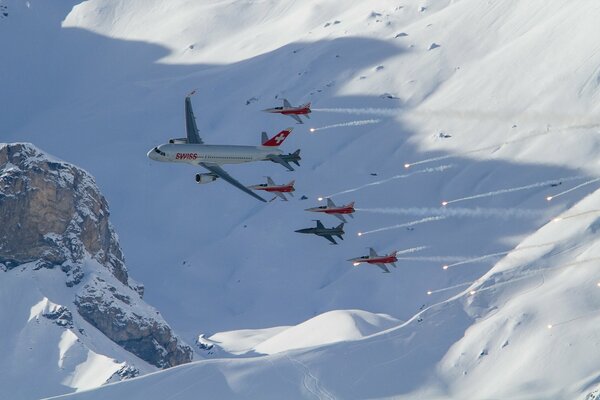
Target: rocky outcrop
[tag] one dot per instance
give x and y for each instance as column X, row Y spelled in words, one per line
column 54, row 216
column 53, row 211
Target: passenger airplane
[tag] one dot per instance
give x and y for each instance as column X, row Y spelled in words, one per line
column 192, row 150
column 375, row 259
column 291, row 111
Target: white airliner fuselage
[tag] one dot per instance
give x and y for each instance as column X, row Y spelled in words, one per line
column 211, row 154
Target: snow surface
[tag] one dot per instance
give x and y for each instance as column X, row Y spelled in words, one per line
column 515, row 85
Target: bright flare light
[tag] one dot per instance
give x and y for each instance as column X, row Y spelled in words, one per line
column 472, row 292
column 356, row 264
column 312, row 129
column 320, row 199
column 557, row 219
column 548, row 198
column 598, row 284
column 444, row 203
column 406, row 165
column 359, row 233
column 549, row 326
column 445, row 267
column 429, row 292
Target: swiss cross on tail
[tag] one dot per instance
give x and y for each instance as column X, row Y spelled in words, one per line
column 278, row 139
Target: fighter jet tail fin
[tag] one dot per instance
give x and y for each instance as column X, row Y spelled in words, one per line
column 278, row 139
column 263, row 137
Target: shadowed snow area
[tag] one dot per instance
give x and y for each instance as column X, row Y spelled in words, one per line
column 491, row 107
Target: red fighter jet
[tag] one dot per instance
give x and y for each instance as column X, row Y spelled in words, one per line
column 272, row 187
column 291, row 111
column 373, row 258
column 334, row 210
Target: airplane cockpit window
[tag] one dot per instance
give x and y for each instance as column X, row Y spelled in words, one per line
column 162, row 153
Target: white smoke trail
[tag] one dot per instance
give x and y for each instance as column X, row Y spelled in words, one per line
column 480, row 115
column 433, row 258
column 503, row 213
column 384, row 112
column 411, row 250
column 406, row 225
column 581, row 214
column 450, row 287
column 514, row 189
column 494, row 255
column 573, row 188
column 351, row 123
column 421, row 171
column 492, row 147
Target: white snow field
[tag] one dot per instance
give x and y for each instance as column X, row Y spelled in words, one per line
column 494, row 107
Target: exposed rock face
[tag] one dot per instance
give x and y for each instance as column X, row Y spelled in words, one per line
column 53, row 211
column 53, row 215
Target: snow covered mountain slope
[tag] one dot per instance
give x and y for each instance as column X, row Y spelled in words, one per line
column 72, row 319
column 492, row 104
column 331, row 327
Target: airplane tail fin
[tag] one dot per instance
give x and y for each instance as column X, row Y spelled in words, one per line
column 307, row 105
column 263, row 137
column 340, row 226
column 276, row 140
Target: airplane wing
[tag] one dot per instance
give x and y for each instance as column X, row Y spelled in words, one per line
column 221, row 173
column 372, row 253
column 190, row 122
column 330, row 203
column 340, row 217
column 297, row 118
column 320, row 225
column 270, row 181
column 281, row 196
column 277, row 159
column 384, row 268
column 331, row 239
column 286, row 103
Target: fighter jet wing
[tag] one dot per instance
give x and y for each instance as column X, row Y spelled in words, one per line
column 372, row 253
column 190, row 122
column 270, row 181
column 277, row 159
column 331, row 239
column 286, row 103
column 220, row 172
column 330, row 203
column 320, row 225
column 297, row 118
column 384, row 268
column 281, row 196
column 340, row 217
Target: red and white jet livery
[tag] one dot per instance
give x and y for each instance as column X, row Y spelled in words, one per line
column 336, row 211
column 278, row 190
column 373, row 258
column 291, row 111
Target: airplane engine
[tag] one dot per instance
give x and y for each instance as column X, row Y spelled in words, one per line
column 205, row 178
column 178, row 141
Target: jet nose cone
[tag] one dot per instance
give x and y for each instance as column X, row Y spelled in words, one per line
column 150, row 154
